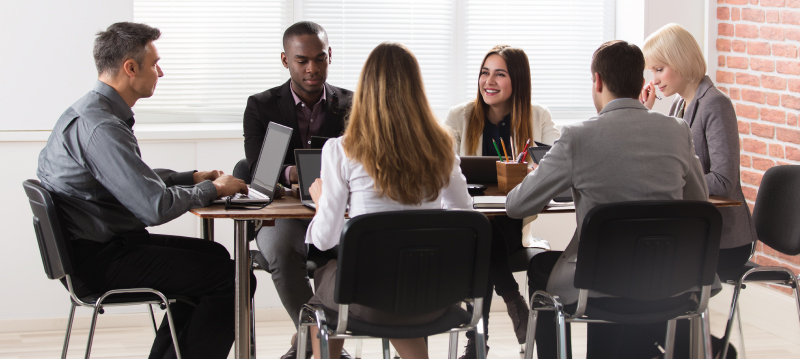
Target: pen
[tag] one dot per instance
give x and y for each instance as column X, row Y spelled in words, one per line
column 513, row 154
column 498, row 151
column 504, row 149
column 525, row 151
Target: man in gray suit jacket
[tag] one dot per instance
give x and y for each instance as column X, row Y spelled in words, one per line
column 625, row 153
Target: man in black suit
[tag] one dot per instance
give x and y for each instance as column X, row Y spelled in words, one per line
column 311, row 107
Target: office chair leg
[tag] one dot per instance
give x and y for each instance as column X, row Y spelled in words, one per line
column 171, row 330
column 358, row 348
column 796, row 293
column 530, row 338
column 252, row 329
column 561, row 326
column 396, row 356
column 706, row 330
column 741, row 331
column 452, row 350
column 91, row 330
column 386, row 352
column 69, row 329
column 152, row 318
column 729, row 327
column 480, row 340
column 302, row 337
column 669, row 341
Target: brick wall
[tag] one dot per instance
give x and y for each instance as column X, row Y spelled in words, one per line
column 759, row 68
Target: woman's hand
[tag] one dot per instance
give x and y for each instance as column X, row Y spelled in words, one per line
column 533, row 167
column 648, row 95
column 316, row 190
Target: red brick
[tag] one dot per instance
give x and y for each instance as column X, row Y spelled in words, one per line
column 725, row 29
column 751, row 177
column 762, row 130
column 779, row 288
column 739, row 46
column 747, row 111
column 773, row 33
column 788, row 135
column 753, row 2
column 744, row 160
column 754, row 15
column 724, row 45
column 776, row 151
column 794, row 85
column 793, row 3
column 746, row 31
column 725, row 77
column 747, row 79
column 793, row 33
column 744, row 127
column 760, row 64
column 773, row 82
column 787, row 17
column 736, row 94
column 776, row 3
column 790, row 101
column 762, row 164
column 750, row 193
column 766, row 261
column 723, row 89
column 791, row 119
column 788, row 67
column 774, row 116
column 721, row 61
column 773, row 16
column 758, row 48
column 780, row 163
column 784, row 50
column 792, row 153
column 737, row 62
column 723, row 13
column 720, row 1
column 754, row 146
column 753, row 96
column 736, row 2
column 773, row 99
column 736, row 14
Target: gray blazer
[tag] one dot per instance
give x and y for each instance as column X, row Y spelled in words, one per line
column 716, row 142
column 625, row 153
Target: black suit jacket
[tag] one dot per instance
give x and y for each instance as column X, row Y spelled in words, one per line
column 277, row 105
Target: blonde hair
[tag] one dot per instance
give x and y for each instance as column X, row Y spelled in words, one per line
column 392, row 131
column 519, row 72
column 675, row 47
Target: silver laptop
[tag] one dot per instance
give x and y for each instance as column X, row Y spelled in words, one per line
column 309, row 166
column 268, row 167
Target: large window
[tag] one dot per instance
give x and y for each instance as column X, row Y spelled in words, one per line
column 217, row 53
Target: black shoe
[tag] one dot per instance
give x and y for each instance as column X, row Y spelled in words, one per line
column 471, row 352
column 345, row 355
column 518, row 311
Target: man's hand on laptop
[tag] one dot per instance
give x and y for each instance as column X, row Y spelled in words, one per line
column 206, row 175
column 228, row 185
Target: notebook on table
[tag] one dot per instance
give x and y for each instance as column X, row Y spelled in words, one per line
column 268, row 167
column 309, row 166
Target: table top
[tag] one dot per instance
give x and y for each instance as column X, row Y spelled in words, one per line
column 290, row 207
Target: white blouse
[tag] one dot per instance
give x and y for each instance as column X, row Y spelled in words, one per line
column 346, row 181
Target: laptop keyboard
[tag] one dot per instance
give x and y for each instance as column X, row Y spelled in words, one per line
column 253, row 194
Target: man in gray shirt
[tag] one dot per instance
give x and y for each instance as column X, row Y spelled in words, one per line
column 107, row 197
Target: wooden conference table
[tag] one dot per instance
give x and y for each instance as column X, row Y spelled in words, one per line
column 290, row 207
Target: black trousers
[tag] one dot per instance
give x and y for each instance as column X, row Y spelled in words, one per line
column 506, row 239
column 198, row 269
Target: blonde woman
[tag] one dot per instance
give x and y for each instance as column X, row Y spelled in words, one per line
column 503, row 110
column 678, row 67
column 392, row 140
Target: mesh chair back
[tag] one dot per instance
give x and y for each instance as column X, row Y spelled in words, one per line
column 648, row 250
column 242, row 171
column 777, row 209
column 53, row 247
column 413, row 262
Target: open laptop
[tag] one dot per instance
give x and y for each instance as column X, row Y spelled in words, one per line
column 537, row 153
column 268, row 167
column 309, row 166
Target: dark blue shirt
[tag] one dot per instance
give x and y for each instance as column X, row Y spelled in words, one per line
column 495, row 132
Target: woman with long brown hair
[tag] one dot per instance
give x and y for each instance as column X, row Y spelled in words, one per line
column 392, row 142
column 502, row 110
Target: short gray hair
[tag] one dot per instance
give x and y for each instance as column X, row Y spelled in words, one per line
column 122, row 41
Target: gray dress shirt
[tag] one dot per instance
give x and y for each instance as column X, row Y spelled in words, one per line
column 103, row 189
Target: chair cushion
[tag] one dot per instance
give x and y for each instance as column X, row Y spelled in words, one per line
column 133, row 298
column 627, row 311
column 734, row 275
column 521, row 258
column 453, row 317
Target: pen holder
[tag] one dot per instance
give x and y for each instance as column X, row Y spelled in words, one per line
column 510, row 174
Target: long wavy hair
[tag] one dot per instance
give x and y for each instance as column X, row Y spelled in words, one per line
column 392, row 131
column 519, row 72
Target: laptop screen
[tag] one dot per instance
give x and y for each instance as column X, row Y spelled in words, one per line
column 273, row 151
column 309, row 166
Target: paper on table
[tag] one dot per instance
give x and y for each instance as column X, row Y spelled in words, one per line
column 499, row 202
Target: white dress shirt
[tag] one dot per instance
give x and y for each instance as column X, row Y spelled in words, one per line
column 345, row 181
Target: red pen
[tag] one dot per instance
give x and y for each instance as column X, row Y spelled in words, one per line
column 524, row 151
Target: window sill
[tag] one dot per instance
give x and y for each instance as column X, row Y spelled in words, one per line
column 150, row 132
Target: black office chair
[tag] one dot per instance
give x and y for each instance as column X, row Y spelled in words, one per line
column 641, row 252
column 56, row 253
column 408, row 263
column 776, row 220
